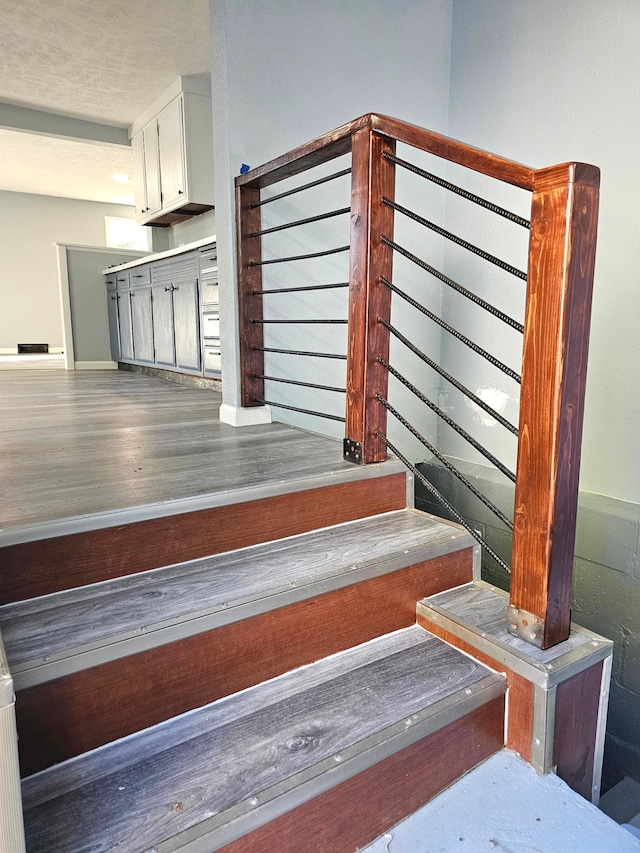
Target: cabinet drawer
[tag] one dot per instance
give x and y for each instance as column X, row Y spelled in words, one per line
column 209, row 290
column 210, row 326
column 170, row 269
column 208, row 258
column 111, row 281
column 122, row 280
column 212, row 358
column 140, row 275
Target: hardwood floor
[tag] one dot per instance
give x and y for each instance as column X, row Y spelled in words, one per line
column 74, row 443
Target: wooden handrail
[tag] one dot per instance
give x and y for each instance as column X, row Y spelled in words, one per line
column 556, row 331
column 338, row 142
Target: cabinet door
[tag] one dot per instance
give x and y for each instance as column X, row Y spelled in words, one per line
column 171, row 142
column 152, row 168
column 139, row 177
column 186, row 323
column 142, row 324
column 114, row 333
column 124, row 325
column 163, row 325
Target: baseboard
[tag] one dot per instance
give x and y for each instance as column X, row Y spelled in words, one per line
column 96, row 365
column 238, row 416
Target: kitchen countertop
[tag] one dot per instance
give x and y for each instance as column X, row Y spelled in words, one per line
column 158, row 256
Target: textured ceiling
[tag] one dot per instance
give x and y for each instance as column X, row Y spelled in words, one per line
column 104, row 61
column 46, row 166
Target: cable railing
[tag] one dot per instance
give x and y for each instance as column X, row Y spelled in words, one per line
column 385, row 358
column 267, row 310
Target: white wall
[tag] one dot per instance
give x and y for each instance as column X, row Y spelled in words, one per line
column 29, row 227
column 286, row 72
column 544, row 82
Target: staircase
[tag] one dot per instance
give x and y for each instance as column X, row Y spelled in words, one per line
column 279, row 694
column 300, row 663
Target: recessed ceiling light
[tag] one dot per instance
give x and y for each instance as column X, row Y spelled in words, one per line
column 120, row 178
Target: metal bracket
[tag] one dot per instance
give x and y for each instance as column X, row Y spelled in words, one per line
column 352, row 451
column 525, row 625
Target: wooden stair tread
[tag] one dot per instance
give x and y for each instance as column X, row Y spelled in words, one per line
column 291, row 737
column 44, row 637
column 482, row 608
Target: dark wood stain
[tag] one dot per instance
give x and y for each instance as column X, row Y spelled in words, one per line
column 248, row 221
column 357, row 811
column 337, row 142
column 519, row 698
column 577, row 706
column 372, row 178
column 41, row 567
column 96, row 706
column 564, row 215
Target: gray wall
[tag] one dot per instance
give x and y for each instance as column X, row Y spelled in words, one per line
column 30, row 225
column 544, row 82
column 88, row 300
column 197, row 228
column 287, row 72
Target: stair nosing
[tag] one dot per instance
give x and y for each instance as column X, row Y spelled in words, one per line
column 277, row 800
column 40, row 670
column 20, row 535
column 388, row 732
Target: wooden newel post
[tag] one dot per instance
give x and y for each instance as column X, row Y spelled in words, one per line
column 248, row 221
column 561, row 262
column 372, row 179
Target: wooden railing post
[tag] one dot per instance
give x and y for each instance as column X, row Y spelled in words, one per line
column 372, row 178
column 248, row 221
column 561, row 262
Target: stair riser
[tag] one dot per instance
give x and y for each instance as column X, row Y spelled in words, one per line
column 357, row 811
column 97, row 705
column 553, row 729
column 44, row 566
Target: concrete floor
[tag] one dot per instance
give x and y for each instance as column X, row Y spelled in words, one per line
column 504, row 806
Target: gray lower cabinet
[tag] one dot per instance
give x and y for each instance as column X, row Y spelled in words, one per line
column 112, row 309
column 163, row 325
column 157, row 315
column 208, row 260
column 142, row 324
column 124, row 316
column 186, row 325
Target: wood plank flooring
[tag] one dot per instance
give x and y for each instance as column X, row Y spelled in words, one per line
column 73, row 443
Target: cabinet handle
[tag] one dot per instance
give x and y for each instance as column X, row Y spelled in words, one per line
column 167, row 289
column 138, row 276
column 173, row 287
column 113, row 297
column 180, row 192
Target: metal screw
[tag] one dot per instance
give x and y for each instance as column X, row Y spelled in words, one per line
column 254, row 801
column 337, row 758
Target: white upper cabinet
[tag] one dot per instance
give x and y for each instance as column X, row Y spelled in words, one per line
column 173, row 156
column 171, row 138
column 146, row 171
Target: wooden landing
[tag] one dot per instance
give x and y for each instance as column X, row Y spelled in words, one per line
column 209, row 777
column 77, row 445
column 557, row 697
column 112, row 473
